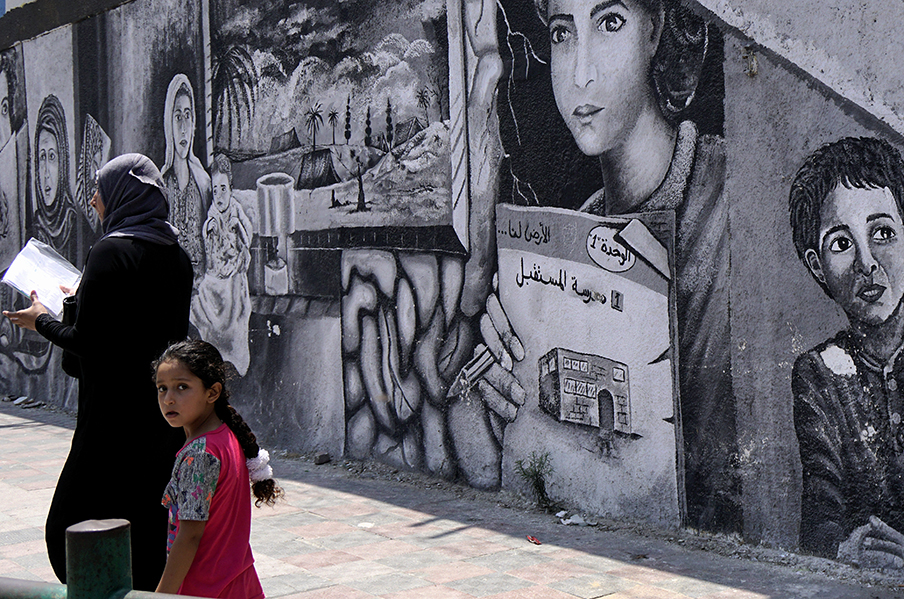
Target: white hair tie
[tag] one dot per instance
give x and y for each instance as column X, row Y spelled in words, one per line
column 259, row 467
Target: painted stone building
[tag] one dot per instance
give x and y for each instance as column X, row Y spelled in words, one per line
column 465, row 232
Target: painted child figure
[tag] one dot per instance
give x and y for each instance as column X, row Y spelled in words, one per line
column 209, row 495
column 847, row 220
column 222, row 307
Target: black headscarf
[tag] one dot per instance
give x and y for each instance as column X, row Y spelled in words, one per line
column 134, row 199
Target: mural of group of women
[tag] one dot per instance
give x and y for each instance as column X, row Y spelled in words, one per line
column 213, row 227
column 43, row 207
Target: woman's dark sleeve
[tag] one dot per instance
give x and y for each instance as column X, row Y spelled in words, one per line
column 97, row 305
column 822, row 501
column 55, row 331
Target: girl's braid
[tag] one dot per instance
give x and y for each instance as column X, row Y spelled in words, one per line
column 265, row 491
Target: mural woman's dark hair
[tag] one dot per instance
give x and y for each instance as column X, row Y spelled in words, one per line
column 186, row 91
column 205, row 362
column 9, row 65
column 856, row 162
column 678, row 62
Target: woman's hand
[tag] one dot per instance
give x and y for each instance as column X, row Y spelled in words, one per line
column 873, row 545
column 497, row 331
column 26, row 318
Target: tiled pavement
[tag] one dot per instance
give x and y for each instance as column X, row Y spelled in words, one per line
column 341, row 536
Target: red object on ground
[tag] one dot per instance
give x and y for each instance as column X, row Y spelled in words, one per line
column 534, row 540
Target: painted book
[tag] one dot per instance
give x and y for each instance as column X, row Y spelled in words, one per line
column 590, row 298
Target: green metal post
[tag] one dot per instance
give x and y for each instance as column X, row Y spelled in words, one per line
column 98, row 559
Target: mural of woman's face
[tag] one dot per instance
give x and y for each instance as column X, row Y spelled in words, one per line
column 183, row 126
column 600, row 64
column 48, row 169
column 221, row 191
column 861, row 252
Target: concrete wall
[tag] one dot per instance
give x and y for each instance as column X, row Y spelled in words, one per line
column 411, row 190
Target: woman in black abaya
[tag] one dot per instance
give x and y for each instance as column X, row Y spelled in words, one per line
column 133, row 300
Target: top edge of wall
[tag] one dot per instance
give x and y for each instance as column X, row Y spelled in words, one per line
column 35, row 18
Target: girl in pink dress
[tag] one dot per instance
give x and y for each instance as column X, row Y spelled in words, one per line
column 209, row 495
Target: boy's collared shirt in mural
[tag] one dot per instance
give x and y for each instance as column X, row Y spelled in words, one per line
column 693, row 188
column 847, row 413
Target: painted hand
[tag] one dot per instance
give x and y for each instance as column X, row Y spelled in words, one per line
column 26, row 318
column 873, row 545
column 490, row 371
column 497, row 331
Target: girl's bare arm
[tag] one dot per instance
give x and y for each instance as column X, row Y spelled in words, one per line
column 181, row 555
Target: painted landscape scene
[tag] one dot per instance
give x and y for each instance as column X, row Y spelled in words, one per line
column 334, row 96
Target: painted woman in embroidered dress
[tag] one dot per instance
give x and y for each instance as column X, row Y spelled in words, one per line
column 186, row 180
column 847, row 220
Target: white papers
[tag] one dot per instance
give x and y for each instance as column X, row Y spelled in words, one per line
column 38, row 267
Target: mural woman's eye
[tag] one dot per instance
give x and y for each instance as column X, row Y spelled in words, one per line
column 4, row 107
column 884, row 234
column 558, row 34
column 611, row 22
column 840, row 244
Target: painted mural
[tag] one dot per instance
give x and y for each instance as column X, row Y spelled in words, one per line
column 627, row 82
column 847, row 220
column 350, row 100
column 453, row 235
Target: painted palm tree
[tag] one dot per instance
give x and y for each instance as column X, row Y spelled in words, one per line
column 423, row 100
column 333, row 119
column 235, row 90
column 313, row 118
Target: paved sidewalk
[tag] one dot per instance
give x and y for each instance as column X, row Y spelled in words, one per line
column 342, row 536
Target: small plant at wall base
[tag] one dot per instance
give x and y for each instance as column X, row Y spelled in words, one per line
column 534, row 471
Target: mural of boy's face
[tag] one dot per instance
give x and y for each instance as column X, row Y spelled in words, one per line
column 183, row 125
column 221, row 191
column 861, row 252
